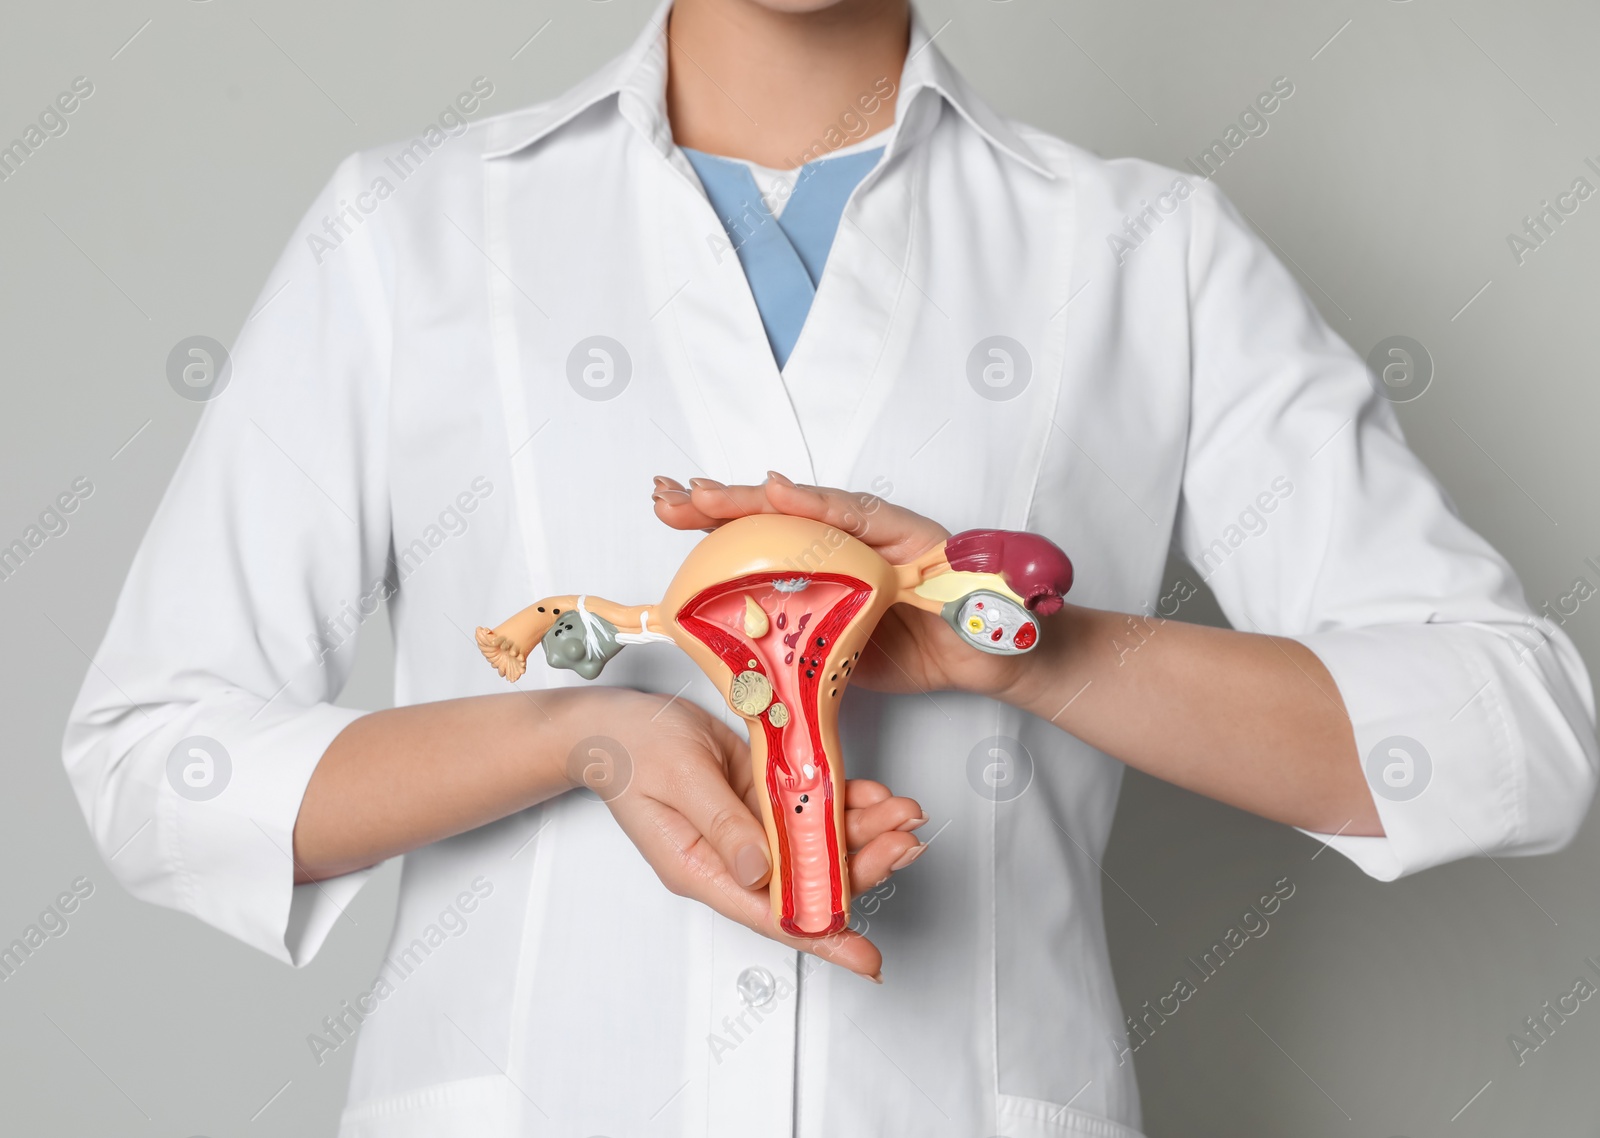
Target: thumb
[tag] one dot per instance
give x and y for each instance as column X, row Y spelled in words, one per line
column 728, row 826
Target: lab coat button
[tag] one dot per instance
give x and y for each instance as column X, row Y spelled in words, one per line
column 757, row 987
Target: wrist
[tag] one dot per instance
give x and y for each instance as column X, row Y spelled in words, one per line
column 595, row 733
column 562, row 721
column 1043, row 680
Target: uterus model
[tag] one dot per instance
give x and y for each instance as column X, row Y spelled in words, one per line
column 776, row 611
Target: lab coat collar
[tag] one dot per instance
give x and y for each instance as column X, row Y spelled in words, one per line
column 638, row 77
column 926, row 69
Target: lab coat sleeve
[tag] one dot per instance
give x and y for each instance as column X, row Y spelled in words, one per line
column 234, row 628
column 1309, row 517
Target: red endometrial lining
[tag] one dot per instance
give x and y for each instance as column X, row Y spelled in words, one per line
column 796, row 654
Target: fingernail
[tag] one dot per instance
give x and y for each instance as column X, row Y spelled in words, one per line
column 774, row 476
column 876, row 978
column 657, row 498
column 671, row 497
column 908, row 857
column 907, row 827
column 664, row 483
column 706, row 484
column 750, row 866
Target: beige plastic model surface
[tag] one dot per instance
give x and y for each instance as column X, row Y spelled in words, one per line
column 776, row 610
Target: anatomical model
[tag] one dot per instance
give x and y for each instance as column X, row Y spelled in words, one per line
column 776, row 610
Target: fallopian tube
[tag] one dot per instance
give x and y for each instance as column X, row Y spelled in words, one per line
column 776, row 610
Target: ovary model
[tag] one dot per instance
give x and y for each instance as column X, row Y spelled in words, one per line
column 776, row 611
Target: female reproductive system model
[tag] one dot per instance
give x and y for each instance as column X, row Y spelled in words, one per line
column 776, row 610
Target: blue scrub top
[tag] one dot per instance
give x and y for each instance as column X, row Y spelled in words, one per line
column 782, row 256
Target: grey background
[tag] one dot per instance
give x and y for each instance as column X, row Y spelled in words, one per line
column 1416, row 140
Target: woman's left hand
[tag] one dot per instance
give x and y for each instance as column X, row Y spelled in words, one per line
column 911, row 650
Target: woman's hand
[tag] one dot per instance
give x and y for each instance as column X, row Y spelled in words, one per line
column 1251, row 720
column 690, row 803
column 911, row 650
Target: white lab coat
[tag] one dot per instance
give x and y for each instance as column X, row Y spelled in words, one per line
column 403, row 403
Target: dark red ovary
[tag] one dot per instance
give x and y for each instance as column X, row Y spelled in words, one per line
column 1034, row 567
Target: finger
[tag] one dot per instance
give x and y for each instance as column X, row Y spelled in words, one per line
column 848, row 949
column 705, row 503
column 860, row 795
column 690, row 868
column 674, row 507
column 735, row 754
column 724, row 503
column 861, row 792
column 888, row 528
column 871, row 865
column 898, row 533
column 705, row 797
column 892, row 815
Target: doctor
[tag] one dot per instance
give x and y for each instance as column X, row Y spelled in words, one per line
column 461, row 406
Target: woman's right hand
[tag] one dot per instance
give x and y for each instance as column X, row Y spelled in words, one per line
column 690, row 804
